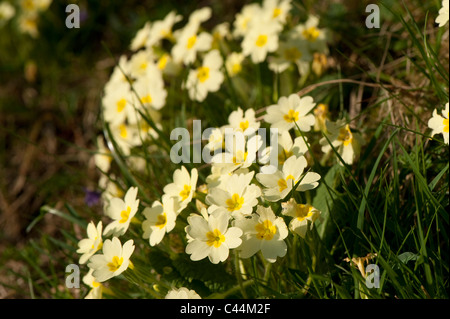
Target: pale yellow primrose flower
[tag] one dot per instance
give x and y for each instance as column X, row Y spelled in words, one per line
column 439, row 124
column 151, row 92
column 189, row 42
column 285, row 149
column 103, row 156
column 291, row 51
column 276, row 10
column 216, row 140
column 141, row 37
column 279, row 184
column 126, row 136
column 220, row 174
column 220, row 32
column 244, row 19
column 117, row 103
column 43, row 4
column 321, row 114
column 118, row 74
column 166, row 65
column 159, row 219
column 263, row 231
column 182, row 187
column 238, row 153
column 182, row 293
column 245, row 123
column 236, row 194
column 315, row 37
column 261, row 39
column 114, row 260
column 233, row 63
column 109, row 189
column 121, row 211
column 442, row 18
column 291, row 111
column 34, row 5
column 7, row 11
column 211, row 238
column 343, row 140
column 89, row 246
column 162, row 29
column 206, row 78
column 28, row 24
column 142, row 63
column 96, row 291
column 199, row 16
column 303, row 215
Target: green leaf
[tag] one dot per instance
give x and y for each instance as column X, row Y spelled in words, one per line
column 323, row 200
column 362, row 207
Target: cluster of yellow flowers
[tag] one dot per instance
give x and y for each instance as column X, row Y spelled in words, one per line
column 28, row 15
column 233, row 208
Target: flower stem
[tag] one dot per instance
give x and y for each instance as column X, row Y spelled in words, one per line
column 239, row 275
column 267, row 272
column 260, row 87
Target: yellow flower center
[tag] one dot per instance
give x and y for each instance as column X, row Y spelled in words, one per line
column 144, row 127
column 161, row 220
column 146, row 99
column 163, row 61
column 123, row 131
column 345, row 135
column 261, row 41
column 283, row 183
column 191, row 42
column 240, row 157
column 236, row 68
column 30, row 23
column 184, row 194
column 143, row 65
column 100, row 244
column 311, row 34
column 283, row 156
column 291, row 117
column 28, row 5
column 292, row 54
column 276, row 12
column 266, row 230
column 319, row 63
column 321, row 110
column 203, row 73
column 115, row 263
column 165, row 33
column 446, row 125
column 234, row 203
column 125, row 214
column 244, row 125
column 215, row 238
column 121, row 105
column 303, row 211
